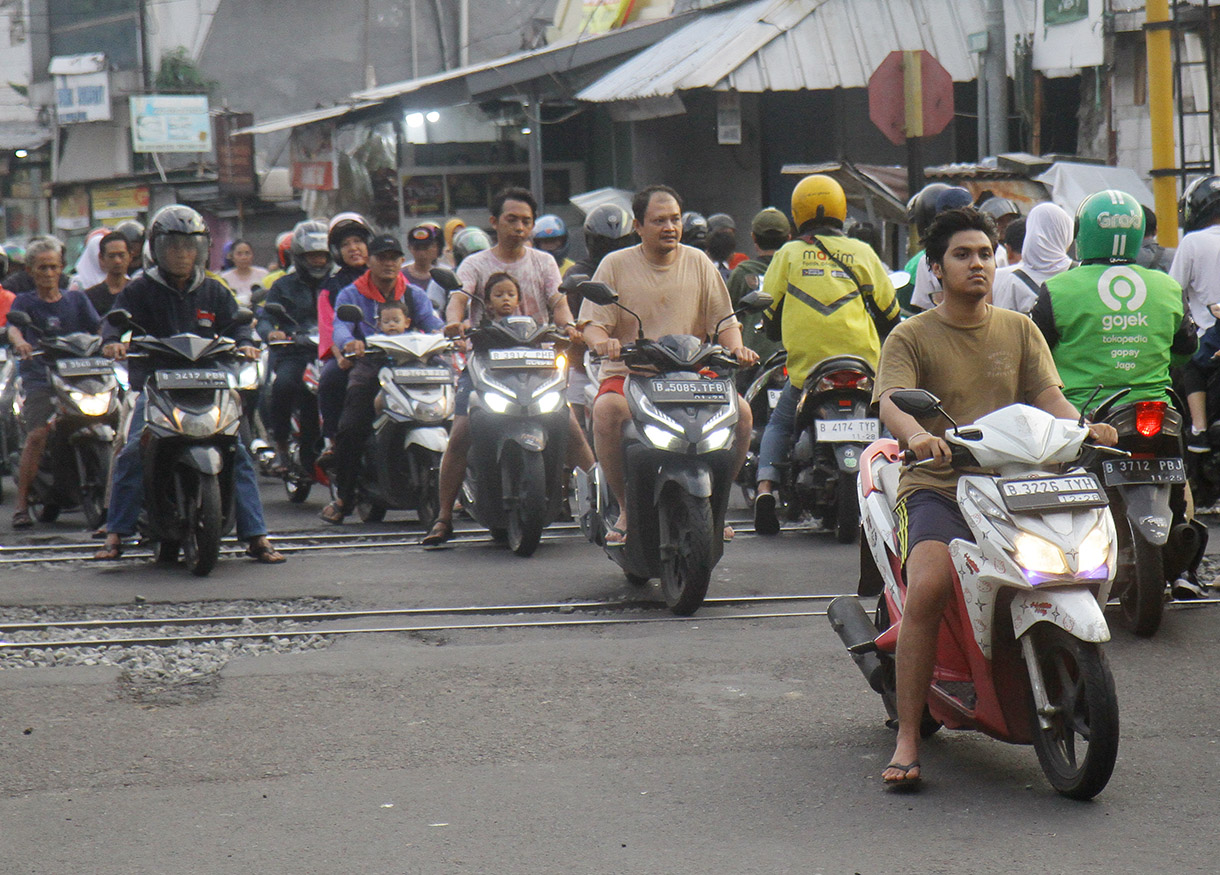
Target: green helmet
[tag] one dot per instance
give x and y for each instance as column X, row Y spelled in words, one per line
column 1109, row 227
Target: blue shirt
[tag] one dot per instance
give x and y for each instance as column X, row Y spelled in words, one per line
column 72, row 312
column 423, row 317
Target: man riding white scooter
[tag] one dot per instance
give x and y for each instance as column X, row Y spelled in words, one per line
column 976, row 358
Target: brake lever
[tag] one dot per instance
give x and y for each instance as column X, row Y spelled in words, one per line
column 1115, row 451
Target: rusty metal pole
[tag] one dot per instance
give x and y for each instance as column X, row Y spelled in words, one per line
column 1160, row 106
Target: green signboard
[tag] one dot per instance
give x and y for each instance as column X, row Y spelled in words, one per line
column 1064, row 11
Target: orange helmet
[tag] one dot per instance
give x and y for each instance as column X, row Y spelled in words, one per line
column 283, row 247
column 818, row 197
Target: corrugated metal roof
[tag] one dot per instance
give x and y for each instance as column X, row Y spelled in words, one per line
column 789, row 45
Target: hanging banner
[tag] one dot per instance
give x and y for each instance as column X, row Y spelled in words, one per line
column 1064, row 11
column 119, row 203
column 314, row 158
column 600, row 16
column 170, row 123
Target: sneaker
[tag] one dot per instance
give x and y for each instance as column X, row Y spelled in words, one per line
column 1198, row 442
column 765, row 520
column 1185, row 589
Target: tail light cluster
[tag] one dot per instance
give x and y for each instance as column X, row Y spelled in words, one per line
column 1150, row 417
column 845, row 380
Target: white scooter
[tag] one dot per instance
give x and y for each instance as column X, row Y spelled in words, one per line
column 1019, row 655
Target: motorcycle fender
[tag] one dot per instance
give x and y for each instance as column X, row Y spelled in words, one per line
column 432, row 438
column 205, row 460
column 695, row 478
column 1075, row 611
column 847, row 457
column 527, row 435
column 1147, row 507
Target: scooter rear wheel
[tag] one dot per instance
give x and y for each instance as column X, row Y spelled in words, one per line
column 1080, row 691
column 847, row 509
column 1141, row 582
column 686, row 569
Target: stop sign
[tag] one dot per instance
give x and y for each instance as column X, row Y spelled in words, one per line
column 930, row 96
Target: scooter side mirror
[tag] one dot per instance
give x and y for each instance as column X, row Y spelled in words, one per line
column 572, row 283
column 900, row 278
column 120, row 319
column 445, row 278
column 916, row 402
column 243, row 316
column 19, row 319
column 599, row 293
column 755, row 302
column 275, row 310
column 350, row 313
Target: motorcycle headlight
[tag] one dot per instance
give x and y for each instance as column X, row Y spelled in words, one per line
column 1094, row 549
column 662, row 439
column 496, row 402
column 197, row 424
column 550, row 402
column 394, row 403
column 1038, row 554
column 92, row 405
column 717, row 440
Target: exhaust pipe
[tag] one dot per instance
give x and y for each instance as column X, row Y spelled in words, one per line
column 858, row 634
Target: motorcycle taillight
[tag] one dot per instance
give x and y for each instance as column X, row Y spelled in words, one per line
column 845, row 380
column 1149, row 417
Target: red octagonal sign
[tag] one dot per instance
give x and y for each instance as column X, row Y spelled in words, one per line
column 887, row 97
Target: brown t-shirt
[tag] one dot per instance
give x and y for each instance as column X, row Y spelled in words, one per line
column 973, row 370
column 686, row 297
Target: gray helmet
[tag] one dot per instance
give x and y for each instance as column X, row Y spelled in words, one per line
column 608, row 227
column 468, row 241
column 177, row 220
column 999, row 207
column 694, row 229
column 307, row 238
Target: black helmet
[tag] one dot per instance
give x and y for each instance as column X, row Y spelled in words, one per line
column 343, row 226
column 921, row 209
column 309, row 237
column 177, row 219
column 694, row 229
column 1199, row 203
column 608, row 227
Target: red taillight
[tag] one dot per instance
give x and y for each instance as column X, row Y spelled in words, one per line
column 845, row 380
column 1149, row 417
column 785, row 372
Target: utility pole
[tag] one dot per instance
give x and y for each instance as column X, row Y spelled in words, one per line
column 1160, row 111
column 995, row 75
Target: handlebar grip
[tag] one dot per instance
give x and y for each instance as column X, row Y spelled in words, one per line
column 908, row 457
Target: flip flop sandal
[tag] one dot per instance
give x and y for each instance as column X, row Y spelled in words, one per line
column 109, row 552
column 441, row 531
column 617, row 531
column 21, row 520
column 906, row 782
column 265, row 554
column 333, row 513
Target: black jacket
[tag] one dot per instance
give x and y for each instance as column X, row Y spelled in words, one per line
column 297, row 297
column 163, row 311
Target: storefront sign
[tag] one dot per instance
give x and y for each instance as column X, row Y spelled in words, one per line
column 82, row 98
column 72, row 210
column 314, row 159
column 119, row 203
column 235, row 155
column 170, row 123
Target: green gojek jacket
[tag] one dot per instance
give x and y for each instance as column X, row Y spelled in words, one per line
column 1115, row 326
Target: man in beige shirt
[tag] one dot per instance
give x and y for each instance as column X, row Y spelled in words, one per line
column 675, row 289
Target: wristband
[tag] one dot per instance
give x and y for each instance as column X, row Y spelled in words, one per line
column 917, row 434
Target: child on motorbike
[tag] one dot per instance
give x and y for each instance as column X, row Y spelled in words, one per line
column 502, row 296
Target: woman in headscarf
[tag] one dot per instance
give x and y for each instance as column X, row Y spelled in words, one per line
column 1048, row 234
column 89, row 272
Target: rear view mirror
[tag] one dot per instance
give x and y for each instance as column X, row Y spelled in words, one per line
column 19, row 319
column 120, row 319
column 572, row 282
column 915, row 402
column 899, row 279
column 275, row 310
column 445, row 278
column 599, row 293
column 243, row 316
column 755, row 302
column 350, row 313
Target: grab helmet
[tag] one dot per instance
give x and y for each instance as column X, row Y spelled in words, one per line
column 1109, row 227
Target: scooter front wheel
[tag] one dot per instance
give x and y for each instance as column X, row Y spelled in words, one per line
column 1078, row 749
column 686, row 564
column 527, row 516
column 201, row 547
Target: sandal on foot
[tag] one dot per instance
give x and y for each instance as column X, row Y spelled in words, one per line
column 265, row 554
column 906, row 782
column 441, row 531
column 728, row 534
column 333, row 513
column 620, row 541
column 109, row 552
column 21, row 520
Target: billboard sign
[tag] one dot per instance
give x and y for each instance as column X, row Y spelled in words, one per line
column 170, row 123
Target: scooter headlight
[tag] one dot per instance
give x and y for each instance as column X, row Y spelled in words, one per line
column 1094, row 549
column 550, row 402
column 496, row 402
column 92, row 404
column 197, row 424
column 662, row 439
column 1038, row 554
column 717, row 440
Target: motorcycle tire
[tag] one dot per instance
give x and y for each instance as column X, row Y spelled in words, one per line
column 527, row 516
column 45, row 513
column 1141, row 584
column 427, row 469
column 167, row 552
column 687, row 523
column 1080, row 691
column 298, row 486
column 847, row 509
column 201, row 546
column 928, row 725
column 370, row 510
column 95, row 463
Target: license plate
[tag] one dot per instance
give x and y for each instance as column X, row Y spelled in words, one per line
column 1117, row 472
column 423, row 375
column 690, row 391
column 773, row 397
column 521, row 358
column 192, row 379
column 853, row 430
column 1036, row 494
column 86, row 367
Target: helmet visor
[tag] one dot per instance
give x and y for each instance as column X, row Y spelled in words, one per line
column 180, row 255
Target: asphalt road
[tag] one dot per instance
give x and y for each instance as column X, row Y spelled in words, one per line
column 708, row 746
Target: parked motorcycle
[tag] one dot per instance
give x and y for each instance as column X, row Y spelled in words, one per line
column 75, row 466
column 402, row 462
column 192, row 418
column 301, row 470
column 762, row 394
column 1155, row 543
column 678, row 461
column 1020, row 653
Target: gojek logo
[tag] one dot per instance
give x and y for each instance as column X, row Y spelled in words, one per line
column 1121, row 288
